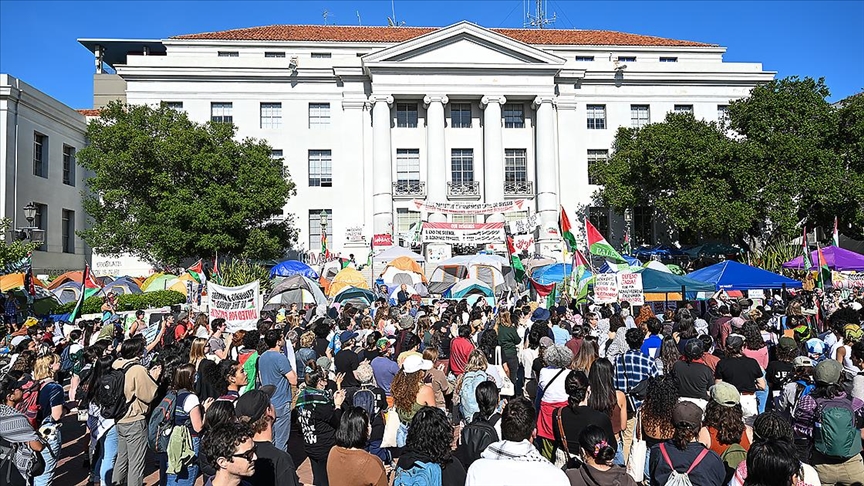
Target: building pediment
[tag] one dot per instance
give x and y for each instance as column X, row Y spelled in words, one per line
column 463, row 44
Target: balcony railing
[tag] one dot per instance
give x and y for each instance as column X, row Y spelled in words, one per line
column 463, row 190
column 409, row 189
column 519, row 188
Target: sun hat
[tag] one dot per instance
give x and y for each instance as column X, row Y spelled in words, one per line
column 414, row 363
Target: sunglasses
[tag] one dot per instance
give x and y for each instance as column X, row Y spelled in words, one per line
column 248, row 455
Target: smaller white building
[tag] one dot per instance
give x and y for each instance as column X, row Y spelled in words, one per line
column 39, row 140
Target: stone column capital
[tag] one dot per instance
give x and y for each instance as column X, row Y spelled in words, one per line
column 375, row 98
column 538, row 101
column 486, row 100
column 439, row 98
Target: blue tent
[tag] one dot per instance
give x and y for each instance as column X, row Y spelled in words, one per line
column 293, row 267
column 552, row 273
column 356, row 296
column 655, row 281
column 466, row 287
column 731, row 275
column 633, row 262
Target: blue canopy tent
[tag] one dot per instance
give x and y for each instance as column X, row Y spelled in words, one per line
column 731, row 275
column 553, row 273
column 657, row 282
column 633, row 262
column 293, row 267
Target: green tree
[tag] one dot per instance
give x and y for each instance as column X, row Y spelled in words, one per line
column 851, row 148
column 165, row 188
column 14, row 250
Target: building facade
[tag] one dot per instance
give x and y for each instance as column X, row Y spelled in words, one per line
column 369, row 120
column 39, row 139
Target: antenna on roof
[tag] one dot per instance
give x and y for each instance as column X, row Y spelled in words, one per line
column 359, row 20
column 326, row 14
column 538, row 19
column 392, row 21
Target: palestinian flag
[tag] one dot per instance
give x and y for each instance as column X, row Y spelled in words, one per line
column 598, row 245
column 626, row 247
column 515, row 261
column 197, row 271
column 835, row 239
column 824, row 272
column 807, row 264
column 542, row 290
column 578, row 281
column 324, row 251
column 89, row 288
column 566, row 230
column 552, row 297
column 29, row 286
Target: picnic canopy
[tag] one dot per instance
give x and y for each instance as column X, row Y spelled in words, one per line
column 297, row 289
column 347, row 277
column 395, row 252
column 731, row 275
column 289, row 268
column 837, row 258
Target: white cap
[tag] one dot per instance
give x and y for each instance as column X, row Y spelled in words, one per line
column 414, row 363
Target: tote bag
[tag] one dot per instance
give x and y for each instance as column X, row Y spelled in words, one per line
column 638, row 452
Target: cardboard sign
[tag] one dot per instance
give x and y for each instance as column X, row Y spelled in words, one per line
column 524, row 243
column 384, row 239
column 463, row 233
column 847, row 280
column 605, row 288
column 239, row 306
column 630, row 288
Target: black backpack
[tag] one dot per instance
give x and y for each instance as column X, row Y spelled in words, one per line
column 476, row 437
column 110, row 396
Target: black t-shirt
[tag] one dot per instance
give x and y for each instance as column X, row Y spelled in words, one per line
column 575, row 422
column 777, row 374
column 320, row 346
column 536, row 366
column 694, row 379
column 271, row 464
column 346, row 361
column 740, row 371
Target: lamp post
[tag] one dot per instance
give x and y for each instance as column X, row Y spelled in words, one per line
column 30, row 232
column 628, row 219
column 323, row 216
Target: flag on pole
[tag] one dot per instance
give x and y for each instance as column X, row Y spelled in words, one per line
column 579, row 282
column 552, row 297
column 806, row 251
column 515, row 261
column 566, row 230
column 215, row 272
column 542, row 290
column 197, row 271
column 324, row 251
column 824, row 272
column 835, row 240
column 89, row 288
column 29, row 286
column 598, row 245
column 626, row 247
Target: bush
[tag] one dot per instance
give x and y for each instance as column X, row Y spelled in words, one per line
column 128, row 302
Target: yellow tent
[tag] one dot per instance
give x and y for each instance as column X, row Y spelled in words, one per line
column 150, row 280
column 347, row 277
column 16, row 281
column 179, row 285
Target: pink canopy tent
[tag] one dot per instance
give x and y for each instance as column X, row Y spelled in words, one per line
column 837, row 259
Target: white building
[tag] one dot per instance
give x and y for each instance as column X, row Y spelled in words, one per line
column 39, row 138
column 369, row 119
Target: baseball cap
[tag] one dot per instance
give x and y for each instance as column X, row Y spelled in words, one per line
column 828, row 371
column 414, row 363
column 347, row 336
column 725, row 394
column 815, row 346
column 786, row 343
column 693, row 348
column 687, row 412
column 254, row 403
column 802, row 361
column 384, row 343
column 324, row 363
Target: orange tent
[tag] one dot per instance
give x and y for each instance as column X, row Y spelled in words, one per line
column 74, row 276
column 16, row 281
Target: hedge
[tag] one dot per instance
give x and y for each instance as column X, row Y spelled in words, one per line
column 128, row 302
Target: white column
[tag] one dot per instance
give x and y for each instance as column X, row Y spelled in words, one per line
column 382, row 175
column 436, row 154
column 493, row 152
column 547, row 172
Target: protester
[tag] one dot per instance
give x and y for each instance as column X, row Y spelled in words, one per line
column 568, row 422
column 606, row 399
column 50, row 403
column 684, row 454
column 275, row 369
column 744, row 373
column 348, row 464
column 429, row 446
column 485, row 425
column 272, row 464
column 694, row 379
column 371, row 399
column 319, row 417
column 551, row 394
column 460, row 350
column 409, row 392
column 231, row 452
column 436, row 378
column 596, row 467
column 729, row 437
column 23, row 442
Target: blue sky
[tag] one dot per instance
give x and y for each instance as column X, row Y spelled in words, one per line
column 817, row 39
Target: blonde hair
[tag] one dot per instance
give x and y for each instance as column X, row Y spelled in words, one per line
column 42, row 368
column 196, row 353
column 476, row 361
column 307, row 339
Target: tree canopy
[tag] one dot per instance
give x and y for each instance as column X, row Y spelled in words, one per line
column 785, row 157
column 12, row 250
column 165, row 188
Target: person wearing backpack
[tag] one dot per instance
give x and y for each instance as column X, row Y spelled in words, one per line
column 834, row 420
column 485, row 426
column 427, row 459
column 728, row 436
column 683, row 460
column 73, row 363
column 186, row 417
column 50, row 399
column 129, row 408
column 371, row 399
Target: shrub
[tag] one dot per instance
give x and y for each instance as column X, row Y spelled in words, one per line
column 128, row 302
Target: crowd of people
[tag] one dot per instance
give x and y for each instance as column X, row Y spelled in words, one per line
column 720, row 392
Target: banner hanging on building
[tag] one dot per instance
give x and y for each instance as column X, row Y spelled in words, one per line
column 463, row 233
column 237, row 305
column 630, row 288
column 522, row 226
column 383, row 239
column 605, row 288
column 471, row 208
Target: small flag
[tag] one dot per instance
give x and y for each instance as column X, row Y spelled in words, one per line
column 215, row 272
column 552, row 297
column 29, row 286
column 197, row 271
column 598, row 245
column 515, row 261
column 89, row 288
column 835, row 240
column 578, row 277
column 566, row 230
column 824, row 271
column 542, row 290
column 807, row 264
column 626, row 247
column 324, row 251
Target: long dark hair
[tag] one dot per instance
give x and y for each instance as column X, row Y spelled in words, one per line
column 100, row 367
column 772, row 463
column 600, row 379
column 576, row 386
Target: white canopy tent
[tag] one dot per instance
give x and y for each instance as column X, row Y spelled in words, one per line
column 395, row 252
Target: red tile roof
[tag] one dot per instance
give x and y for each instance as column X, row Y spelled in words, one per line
column 89, row 112
column 340, row 33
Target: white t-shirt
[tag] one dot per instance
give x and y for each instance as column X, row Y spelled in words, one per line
column 555, row 393
column 190, row 402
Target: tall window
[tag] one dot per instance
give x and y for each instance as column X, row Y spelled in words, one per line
column 405, row 220
column 406, row 115
column 723, row 113
column 68, row 165
column 68, row 231
column 40, row 155
column 684, row 109
column 640, row 115
column 514, row 115
column 643, row 225
column 408, row 168
column 319, row 114
column 515, row 165
column 41, row 221
column 596, row 116
column 460, row 115
column 599, row 217
column 315, row 229
column 221, row 112
column 462, row 165
column 595, row 156
column 271, row 115
column 320, row 168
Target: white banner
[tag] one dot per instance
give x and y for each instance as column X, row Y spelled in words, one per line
column 524, row 243
column 527, row 225
column 239, row 306
column 605, row 288
column 471, row 208
column 630, row 288
column 847, row 280
column 463, row 233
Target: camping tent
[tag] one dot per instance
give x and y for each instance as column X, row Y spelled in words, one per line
column 293, row 267
column 395, row 252
column 157, row 281
column 837, row 258
column 494, row 270
column 468, row 286
column 355, row 295
column 122, row 285
column 403, row 270
column 663, row 283
column 347, row 277
column 297, row 289
column 16, row 281
column 554, row 273
column 68, row 292
column 731, row 275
